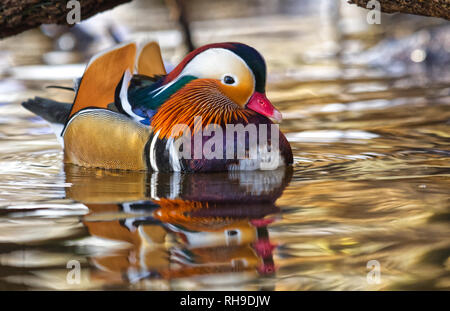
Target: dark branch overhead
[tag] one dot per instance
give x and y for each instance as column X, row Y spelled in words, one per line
column 434, row 8
column 17, row 16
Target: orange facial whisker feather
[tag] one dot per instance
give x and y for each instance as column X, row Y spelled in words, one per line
column 199, row 98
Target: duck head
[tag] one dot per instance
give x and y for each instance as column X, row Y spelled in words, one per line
column 222, row 82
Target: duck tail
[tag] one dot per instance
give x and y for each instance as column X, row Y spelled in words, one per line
column 54, row 112
column 50, row 110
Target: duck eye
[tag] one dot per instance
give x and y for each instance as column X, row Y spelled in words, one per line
column 228, row 80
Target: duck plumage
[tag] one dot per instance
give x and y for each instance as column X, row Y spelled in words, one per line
column 126, row 109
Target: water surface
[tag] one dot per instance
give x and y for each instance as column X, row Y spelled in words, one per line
column 369, row 128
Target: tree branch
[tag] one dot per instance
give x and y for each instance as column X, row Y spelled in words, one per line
column 434, row 8
column 17, row 16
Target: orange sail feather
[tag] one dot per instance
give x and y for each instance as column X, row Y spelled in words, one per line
column 101, row 77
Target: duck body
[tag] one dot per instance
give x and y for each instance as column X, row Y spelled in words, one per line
column 181, row 121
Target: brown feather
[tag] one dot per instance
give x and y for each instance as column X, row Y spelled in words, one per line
column 106, row 139
column 102, row 76
column 150, row 61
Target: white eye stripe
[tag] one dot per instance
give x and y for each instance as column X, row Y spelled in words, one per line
column 216, row 63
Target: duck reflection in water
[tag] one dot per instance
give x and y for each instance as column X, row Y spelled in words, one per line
column 180, row 225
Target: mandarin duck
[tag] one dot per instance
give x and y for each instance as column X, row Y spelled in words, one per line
column 126, row 109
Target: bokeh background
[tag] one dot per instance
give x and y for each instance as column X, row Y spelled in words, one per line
column 366, row 110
